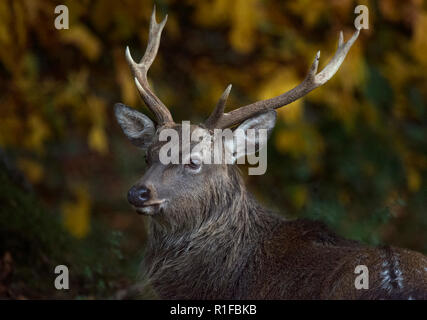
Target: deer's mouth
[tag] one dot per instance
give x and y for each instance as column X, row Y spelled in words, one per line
column 150, row 207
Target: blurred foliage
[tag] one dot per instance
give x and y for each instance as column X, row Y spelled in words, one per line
column 97, row 265
column 352, row 153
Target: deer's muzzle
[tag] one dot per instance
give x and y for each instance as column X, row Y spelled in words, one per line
column 138, row 195
column 144, row 200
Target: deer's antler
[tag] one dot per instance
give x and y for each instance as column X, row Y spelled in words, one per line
column 219, row 119
column 140, row 70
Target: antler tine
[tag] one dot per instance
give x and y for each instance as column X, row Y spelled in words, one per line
column 219, row 109
column 140, row 70
column 311, row 82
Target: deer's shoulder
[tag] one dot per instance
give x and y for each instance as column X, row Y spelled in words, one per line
column 310, row 232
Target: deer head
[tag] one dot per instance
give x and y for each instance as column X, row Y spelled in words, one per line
column 193, row 187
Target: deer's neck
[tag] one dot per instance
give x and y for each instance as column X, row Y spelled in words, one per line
column 210, row 255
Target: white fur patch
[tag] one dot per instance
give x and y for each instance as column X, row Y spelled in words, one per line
column 385, row 282
column 385, row 274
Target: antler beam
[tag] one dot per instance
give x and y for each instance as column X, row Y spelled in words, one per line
column 140, row 70
column 219, row 119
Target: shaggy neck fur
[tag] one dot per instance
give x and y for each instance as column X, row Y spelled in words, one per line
column 201, row 252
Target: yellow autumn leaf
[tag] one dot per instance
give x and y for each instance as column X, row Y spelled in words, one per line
column 124, row 78
column 299, row 141
column 289, row 141
column 210, row 13
column 10, row 130
column 369, row 114
column 243, row 23
column 299, row 196
column 414, row 179
column 97, row 139
column 32, row 170
column 76, row 214
column 38, row 132
column 5, row 20
column 352, row 73
column 419, row 40
column 96, row 110
column 398, row 70
column 390, row 10
column 83, row 38
column 282, row 80
column 19, row 23
column 310, row 11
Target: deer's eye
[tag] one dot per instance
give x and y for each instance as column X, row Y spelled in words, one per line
column 194, row 165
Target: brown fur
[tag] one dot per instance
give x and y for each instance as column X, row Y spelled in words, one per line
column 210, row 239
column 224, row 245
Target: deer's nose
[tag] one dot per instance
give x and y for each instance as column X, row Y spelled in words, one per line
column 137, row 195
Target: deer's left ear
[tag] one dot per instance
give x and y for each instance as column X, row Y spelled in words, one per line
column 136, row 126
column 251, row 135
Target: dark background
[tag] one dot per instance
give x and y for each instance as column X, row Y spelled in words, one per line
column 353, row 153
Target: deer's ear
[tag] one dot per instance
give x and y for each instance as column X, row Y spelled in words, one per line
column 137, row 127
column 251, row 135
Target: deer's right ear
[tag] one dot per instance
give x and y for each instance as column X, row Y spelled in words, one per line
column 137, row 127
